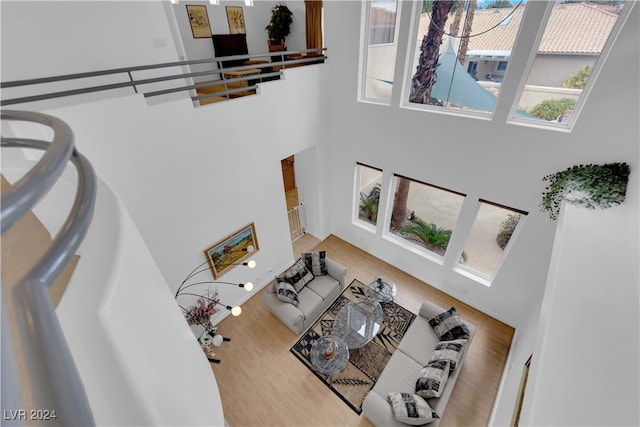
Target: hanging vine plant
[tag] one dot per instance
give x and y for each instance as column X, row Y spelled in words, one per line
column 589, row 186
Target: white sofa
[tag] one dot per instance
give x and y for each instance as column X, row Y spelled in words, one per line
column 404, row 366
column 314, row 298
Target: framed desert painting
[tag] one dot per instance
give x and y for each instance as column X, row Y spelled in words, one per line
column 235, row 16
column 232, row 250
column 199, row 20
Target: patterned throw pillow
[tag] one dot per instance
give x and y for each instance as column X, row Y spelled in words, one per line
column 298, row 275
column 315, row 262
column 433, row 377
column 449, row 350
column 449, row 326
column 286, row 292
column 411, row 409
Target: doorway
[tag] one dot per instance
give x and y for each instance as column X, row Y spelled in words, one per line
column 294, row 206
column 289, row 180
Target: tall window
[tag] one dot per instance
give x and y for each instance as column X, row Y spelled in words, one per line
column 461, row 53
column 369, row 181
column 424, row 215
column 493, row 230
column 380, row 51
column 576, row 36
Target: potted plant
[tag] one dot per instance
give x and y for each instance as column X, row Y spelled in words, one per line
column 279, row 27
column 590, row 186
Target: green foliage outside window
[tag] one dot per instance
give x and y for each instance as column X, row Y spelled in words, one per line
column 550, row 109
column 579, row 80
column 369, row 205
column 430, row 235
column 499, row 4
column 507, row 227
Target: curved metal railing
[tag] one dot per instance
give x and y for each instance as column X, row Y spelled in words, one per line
column 39, row 323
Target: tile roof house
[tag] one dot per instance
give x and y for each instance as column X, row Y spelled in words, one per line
column 574, row 37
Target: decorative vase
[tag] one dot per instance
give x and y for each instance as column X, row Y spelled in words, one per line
column 329, row 351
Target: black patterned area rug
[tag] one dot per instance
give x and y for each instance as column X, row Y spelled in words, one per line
column 365, row 366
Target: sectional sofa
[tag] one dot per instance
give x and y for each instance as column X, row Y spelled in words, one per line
column 405, row 366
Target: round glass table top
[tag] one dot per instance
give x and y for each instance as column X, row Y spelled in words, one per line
column 329, row 355
column 358, row 322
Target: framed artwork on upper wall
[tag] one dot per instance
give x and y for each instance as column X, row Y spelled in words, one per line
column 235, row 16
column 232, row 250
column 199, row 20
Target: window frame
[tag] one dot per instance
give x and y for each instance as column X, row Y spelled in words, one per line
column 416, row 248
column 412, row 47
column 363, row 56
column 478, row 276
column 586, row 92
column 506, row 105
column 355, row 217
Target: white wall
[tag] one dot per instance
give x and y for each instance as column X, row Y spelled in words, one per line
column 126, row 333
column 590, row 323
column 307, row 171
column 120, row 319
column 48, row 38
column 190, row 177
column 524, row 341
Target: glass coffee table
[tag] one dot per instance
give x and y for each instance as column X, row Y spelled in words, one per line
column 329, row 355
column 381, row 290
column 358, row 322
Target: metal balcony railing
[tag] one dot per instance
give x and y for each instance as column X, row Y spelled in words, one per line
column 37, row 321
column 270, row 64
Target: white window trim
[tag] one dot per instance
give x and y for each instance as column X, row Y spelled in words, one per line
column 355, row 215
column 413, row 247
column 355, row 208
column 412, row 46
column 478, row 276
column 364, row 51
column 405, row 243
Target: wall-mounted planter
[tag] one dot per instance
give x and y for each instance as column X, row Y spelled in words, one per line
column 590, row 186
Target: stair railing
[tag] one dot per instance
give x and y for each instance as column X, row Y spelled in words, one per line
column 39, row 323
column 276, row 59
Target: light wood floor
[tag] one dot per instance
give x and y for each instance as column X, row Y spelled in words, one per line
column 262, row 383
